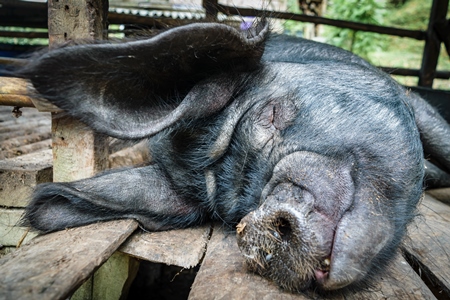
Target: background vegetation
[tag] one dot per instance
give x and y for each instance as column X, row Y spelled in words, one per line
column 381, row 50
column 384, row 50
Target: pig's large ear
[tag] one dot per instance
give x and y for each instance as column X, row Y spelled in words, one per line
column 135, row 89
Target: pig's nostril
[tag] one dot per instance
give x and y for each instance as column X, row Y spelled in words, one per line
column 283, row 227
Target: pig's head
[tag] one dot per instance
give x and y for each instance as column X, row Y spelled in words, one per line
column 316, row 156
column 345, row 167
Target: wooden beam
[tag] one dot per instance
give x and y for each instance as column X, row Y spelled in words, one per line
column 8, row 61
column 78, row 152
column 433, row 43
column 24, row 34
column 52, row 266
column 181, row 247
column 16, row 92
column 428, row 245
column 21, row 93
column 211, row 9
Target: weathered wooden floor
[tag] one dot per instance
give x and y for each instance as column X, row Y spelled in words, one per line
column 53, row 266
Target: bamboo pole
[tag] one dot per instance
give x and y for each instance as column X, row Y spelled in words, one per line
column 21, row 93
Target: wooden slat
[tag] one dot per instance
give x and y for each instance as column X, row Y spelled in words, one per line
column 9, row 147
column 15, row 92
column 223, row 276
column 53, row 265
column 30, row 148
column 183, row 247
column 20, row 92
column 429, row 243
column 19, row 176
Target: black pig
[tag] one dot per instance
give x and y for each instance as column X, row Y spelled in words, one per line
column 315, row 153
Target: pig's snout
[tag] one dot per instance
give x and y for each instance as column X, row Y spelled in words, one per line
column 278, row 245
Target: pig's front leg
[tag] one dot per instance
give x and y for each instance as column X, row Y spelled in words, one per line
column 144, row 194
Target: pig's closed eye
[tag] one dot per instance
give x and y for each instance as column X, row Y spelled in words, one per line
column 276, row 115
column 267, row 117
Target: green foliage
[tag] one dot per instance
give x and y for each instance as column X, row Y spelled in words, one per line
column 363, row 11
column 23, row 41
column 293, row 27
column 412, row 14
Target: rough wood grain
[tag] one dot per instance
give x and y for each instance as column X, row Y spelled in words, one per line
column 19, row 176
column 20, row 92
column 78, row 152
column 30, row 121
column 223, row 276
column 16, row 92
column 7, row 146
column 131, row 156
column 441, row 194
column 429, row 243
column 53, row 265
column 23, row 130
column 183, row 247
column 10, row 233
column 30, row 148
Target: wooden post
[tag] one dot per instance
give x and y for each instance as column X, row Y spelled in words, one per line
column 432, row 44
column 78, row 152
column 211, row 9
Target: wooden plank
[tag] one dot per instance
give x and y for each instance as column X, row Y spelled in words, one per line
column 10, row 233
column 25, row 129
column 7, row 147
column 19, row 176
column 53, row 265
column 182, row 247
column 78, row 152
column 16, row 92
column 442, row 194
column 429, row 243
column 223, row 276
column 30, row 148
column 20, row 92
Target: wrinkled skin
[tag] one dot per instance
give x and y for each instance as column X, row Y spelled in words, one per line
column 316, row 155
